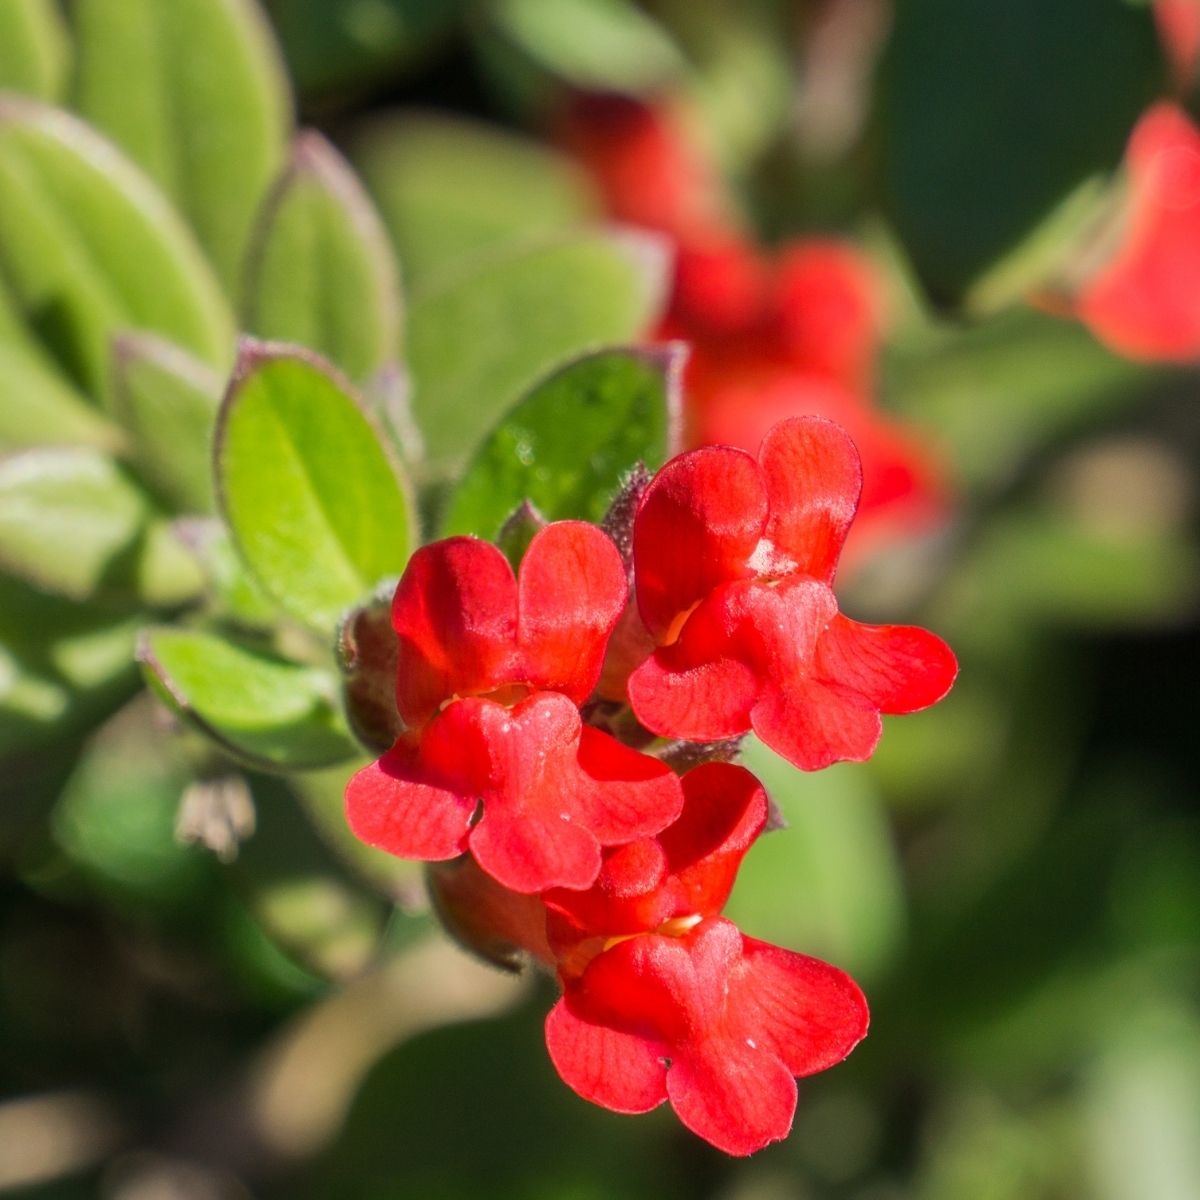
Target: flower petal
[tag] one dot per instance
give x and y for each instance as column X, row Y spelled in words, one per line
column 572, row 589
column 623, row 794
column 896, row 668
column 725, row 809
column 733, row 1094
column 619, row 1071
column 531, row 853
column 390, row 804
column 527, row 837
column 806, row 1012
column 814, row 725
column 455, row 612
column 737, row 642
column 697, row 527
column 813, row 478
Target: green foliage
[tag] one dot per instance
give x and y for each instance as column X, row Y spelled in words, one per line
column 567, row 444
column 194, row 93
column 320, row 270
column 72, row 523
column 33, row 48
column 448, row 188
column 167, row 402
column 315, row 501
column 478, row 340
column 89, row 248
column 261, row 710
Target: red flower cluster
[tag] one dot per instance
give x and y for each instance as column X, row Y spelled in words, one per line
column 772, row 335
column 557, row 838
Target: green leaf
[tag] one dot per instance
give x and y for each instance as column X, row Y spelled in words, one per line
column 194, row 92
column 569, row 442
column 321, row 270
column 89, row 247
column 38, row 404
column 33, row 48
column 829, row 882
column 448, row 188
column 299, row 892
column 73, row 524
column 168, row 402
column 263, row 711
column 992, row 115
column 116, row 817
column 316, row 502
column 596, row 45
column 61, row 665
column 479, row 340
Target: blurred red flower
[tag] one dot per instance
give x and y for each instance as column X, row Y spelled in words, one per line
column 772, row 334
column 1142, row 302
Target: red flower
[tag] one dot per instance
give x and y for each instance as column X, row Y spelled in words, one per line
column 1142, row 303
column 733, row 564
column 665, row 1000
column 491, row 671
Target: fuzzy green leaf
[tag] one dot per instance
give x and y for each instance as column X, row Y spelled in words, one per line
column 321, row 270
column 71, row 523
column 89, row 247
column 316, row 503
column 569, row 442
column 263, row 711
column 479, row 340
column 194, row 92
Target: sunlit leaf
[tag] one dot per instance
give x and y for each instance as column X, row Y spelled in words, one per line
column 89, row 247
column 316, row 502
column 193, row 91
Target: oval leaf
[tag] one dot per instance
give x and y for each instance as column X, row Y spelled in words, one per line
column 481, row 339
column 316, row 503
column 321, row 270
column 263, row 711
column 448, row 188
column 567, row 445
column 168, row 402
column 193, row 91
column 71, row 523
column 89, row 246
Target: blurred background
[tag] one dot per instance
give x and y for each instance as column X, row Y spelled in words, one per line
column 925, row 218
